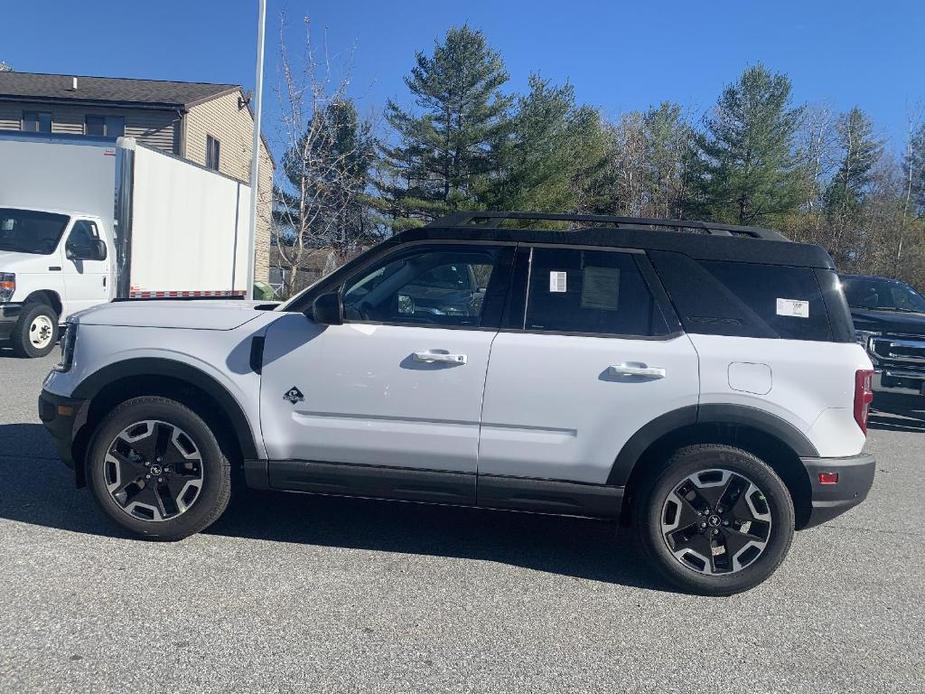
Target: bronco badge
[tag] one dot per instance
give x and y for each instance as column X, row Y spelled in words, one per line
column 294, row 395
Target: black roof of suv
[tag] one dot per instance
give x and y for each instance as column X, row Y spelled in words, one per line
column 697, row 239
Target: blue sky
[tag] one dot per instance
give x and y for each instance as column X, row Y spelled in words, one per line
column 619, row 55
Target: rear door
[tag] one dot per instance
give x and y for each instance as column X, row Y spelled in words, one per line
column 400, row 383
column 588, row 359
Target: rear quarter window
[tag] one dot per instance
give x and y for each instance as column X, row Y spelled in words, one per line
column 744, row 299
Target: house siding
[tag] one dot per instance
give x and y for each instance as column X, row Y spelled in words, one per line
column 159, row 129
column 233, row 127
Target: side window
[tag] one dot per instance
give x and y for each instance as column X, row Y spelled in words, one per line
column 438, row 287
column 213, row 153
column 578, row 291
column 83, row 233
column 104, row 126
column 744, row 299
column 36, row 122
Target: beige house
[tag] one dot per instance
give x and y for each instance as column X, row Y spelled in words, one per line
column 208, row 124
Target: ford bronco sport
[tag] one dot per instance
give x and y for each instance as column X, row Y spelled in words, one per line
column 698, row 382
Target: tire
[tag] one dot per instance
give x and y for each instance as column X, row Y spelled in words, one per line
column 36, row 332
column 152, row 439
column 742, row 544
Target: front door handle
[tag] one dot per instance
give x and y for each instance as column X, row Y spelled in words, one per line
column 637, row 369
column 439, row 356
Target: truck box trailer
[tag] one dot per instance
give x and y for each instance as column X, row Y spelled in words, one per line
column 88, row 220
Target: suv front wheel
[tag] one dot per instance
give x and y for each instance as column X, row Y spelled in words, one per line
column 717, row 520
column 157, row 469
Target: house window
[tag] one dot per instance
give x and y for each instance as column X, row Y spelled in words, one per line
column 36, row 122
column 213, row 153
column 105, row 126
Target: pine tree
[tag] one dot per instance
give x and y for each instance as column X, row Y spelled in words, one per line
column 448, row 150
column 555, row 150
column 321, row 202
column 328, row 170
column 746, row 163
column 860, row 151
column 915, row 165
column 669, row 152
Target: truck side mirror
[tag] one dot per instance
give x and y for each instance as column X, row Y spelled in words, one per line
column 92, row 249
column 98, row 248
column 328, row 309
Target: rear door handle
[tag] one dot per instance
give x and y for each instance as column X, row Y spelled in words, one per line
column 439, row 356
column 636, row 369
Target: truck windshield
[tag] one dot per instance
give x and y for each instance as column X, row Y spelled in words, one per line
column 30, row 231
column 882, row 295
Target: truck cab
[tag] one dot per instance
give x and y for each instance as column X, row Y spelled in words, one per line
column 53, row 263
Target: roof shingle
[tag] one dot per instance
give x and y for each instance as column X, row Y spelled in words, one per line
column 108, row 89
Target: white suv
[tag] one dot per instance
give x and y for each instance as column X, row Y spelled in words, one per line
column 702, row 387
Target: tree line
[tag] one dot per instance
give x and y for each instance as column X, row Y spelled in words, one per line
column 465, row 142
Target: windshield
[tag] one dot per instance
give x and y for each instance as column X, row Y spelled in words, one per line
column 29, row 231
column 882, row 295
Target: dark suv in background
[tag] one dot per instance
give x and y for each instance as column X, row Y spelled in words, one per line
column 889, row 320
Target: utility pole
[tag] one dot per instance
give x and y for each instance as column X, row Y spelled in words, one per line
column 255, row 155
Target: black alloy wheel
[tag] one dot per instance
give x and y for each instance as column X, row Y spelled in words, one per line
column 153, row 470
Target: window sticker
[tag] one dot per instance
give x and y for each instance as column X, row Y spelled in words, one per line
column 793, row 308
column 557, row 281
column 600, row 288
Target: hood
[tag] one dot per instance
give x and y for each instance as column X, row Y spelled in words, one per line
column 15, row 261
column 191, row 315
column 889, row 321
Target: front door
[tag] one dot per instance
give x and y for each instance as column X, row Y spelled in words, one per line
column 590, row 362
column 398, row 385
column 86, row 281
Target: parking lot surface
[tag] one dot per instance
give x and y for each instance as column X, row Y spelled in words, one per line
column 298, row 593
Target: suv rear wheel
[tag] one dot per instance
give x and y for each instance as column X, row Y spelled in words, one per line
column 157, row 469
column 717, row 520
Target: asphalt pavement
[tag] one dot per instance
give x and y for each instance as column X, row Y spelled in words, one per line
column 291, row 593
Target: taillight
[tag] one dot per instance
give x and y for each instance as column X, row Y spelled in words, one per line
column 863, row 396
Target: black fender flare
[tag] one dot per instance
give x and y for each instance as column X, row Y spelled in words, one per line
column 91, row 386
column 752, row 417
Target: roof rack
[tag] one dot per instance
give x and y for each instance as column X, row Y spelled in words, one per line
column 463, row 219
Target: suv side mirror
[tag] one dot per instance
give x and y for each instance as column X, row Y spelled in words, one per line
column 328, row 309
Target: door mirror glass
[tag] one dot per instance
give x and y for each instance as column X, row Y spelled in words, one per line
column 327, row 309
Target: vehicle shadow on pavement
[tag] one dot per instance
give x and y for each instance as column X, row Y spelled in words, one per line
column 897, row 413
column 36, row 488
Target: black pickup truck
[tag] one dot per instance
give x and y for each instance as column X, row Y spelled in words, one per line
column 889, row 320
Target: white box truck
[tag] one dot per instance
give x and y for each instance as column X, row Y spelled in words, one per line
column 89, row 220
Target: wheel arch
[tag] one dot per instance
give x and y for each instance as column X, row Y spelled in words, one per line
column 771, row 438
column 49, row 297
column 193, row 387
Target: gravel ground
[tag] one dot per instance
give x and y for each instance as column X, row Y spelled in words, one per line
column 295, row 593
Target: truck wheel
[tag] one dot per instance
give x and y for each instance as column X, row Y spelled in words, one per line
column 157, row 469
column 36, row 331
column 716, row 520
